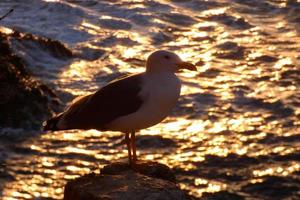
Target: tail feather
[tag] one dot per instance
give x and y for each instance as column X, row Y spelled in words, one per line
column 51, row 124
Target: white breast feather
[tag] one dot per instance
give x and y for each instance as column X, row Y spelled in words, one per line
column 160, row 93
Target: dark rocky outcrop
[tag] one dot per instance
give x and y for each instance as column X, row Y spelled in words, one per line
column 149, row 180
column 24, row 101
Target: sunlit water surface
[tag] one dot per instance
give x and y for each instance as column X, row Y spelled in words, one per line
column 236, row 126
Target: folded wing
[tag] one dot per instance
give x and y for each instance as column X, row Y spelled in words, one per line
column 95, row 111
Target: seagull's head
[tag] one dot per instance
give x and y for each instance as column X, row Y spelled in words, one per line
column 166, row 61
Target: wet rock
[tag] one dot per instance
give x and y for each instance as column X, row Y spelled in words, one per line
column 119, row 181
column 24, row 101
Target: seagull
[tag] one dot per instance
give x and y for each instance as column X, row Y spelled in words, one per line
column 128, row 104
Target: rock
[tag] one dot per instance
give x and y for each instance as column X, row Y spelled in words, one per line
column 24, row 101
column 118, row 181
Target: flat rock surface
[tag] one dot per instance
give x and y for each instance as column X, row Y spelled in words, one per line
column 119, row 181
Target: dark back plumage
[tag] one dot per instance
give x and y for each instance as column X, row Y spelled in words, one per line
column 95, row 111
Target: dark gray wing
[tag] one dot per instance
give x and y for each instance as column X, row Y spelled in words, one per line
column 94, row 111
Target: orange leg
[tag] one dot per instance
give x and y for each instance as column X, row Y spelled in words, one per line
column 127, row 139
column 133, row 145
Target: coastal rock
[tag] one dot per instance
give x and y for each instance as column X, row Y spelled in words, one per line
column 149, row 180
column 24, row 101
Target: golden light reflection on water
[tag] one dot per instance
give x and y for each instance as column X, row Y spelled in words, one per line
column 90, row 28
column 223, row 128
column 217, row 11
column 210, row 187
column 277, row 170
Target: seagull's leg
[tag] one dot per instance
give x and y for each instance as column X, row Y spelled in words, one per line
column 133, row 145
column 127, row 139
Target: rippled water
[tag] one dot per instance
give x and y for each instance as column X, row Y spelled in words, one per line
column 236, row 127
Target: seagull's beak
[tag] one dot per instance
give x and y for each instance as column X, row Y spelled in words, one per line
column 186, row 65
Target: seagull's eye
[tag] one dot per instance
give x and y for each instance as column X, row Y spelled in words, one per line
column 167, row 57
